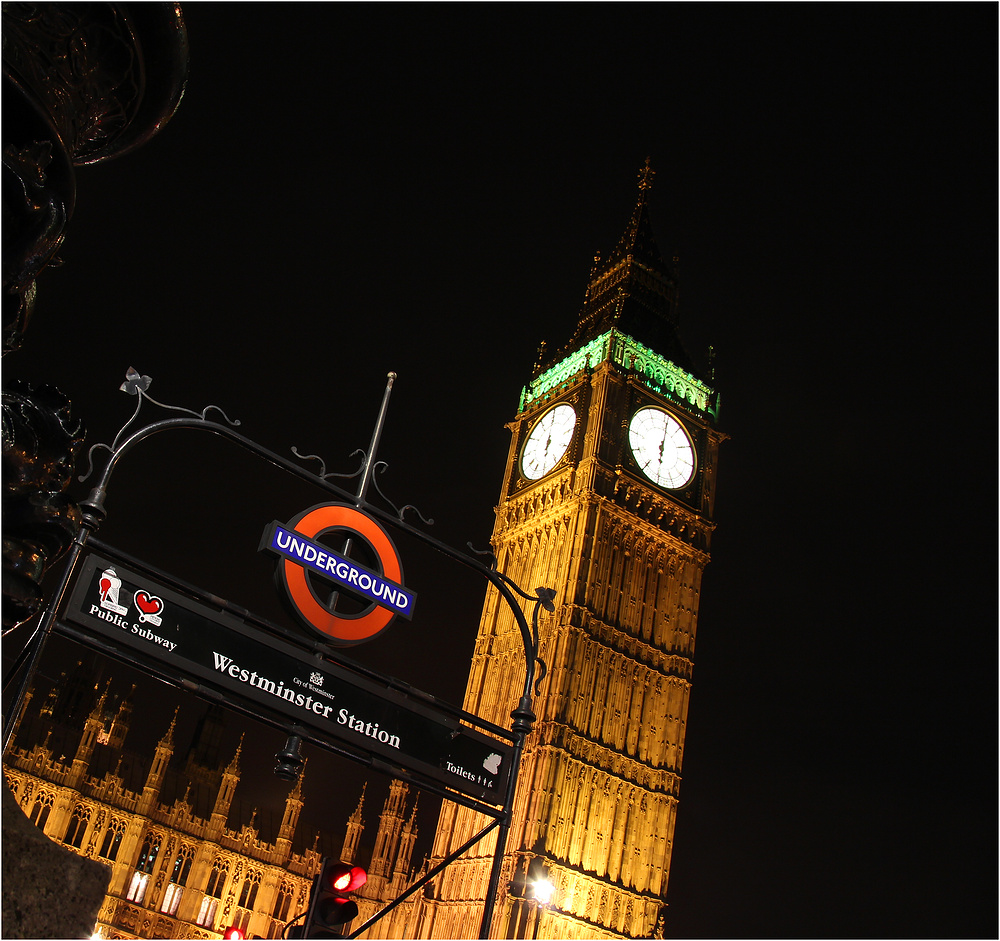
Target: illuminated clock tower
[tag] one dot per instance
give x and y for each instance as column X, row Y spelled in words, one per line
column 607, row 497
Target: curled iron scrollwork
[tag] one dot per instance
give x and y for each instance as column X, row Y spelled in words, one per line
column 137, row 384
column 381, row 467
column 322, row 473
column 543, row 598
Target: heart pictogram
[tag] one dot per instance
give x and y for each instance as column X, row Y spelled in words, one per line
column 147, row 603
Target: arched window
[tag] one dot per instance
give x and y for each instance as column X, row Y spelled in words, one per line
column 182, row 867
column 112, row 839
column 248, row 894
column 283, row 900
column 77, row 826
column 217, row 881
column 41, row 809
column 144, row 866
column 213, row 892
column 150, row 850
column 178, row 879
column 137, row 887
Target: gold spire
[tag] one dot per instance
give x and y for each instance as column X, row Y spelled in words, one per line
column 646, row 175
column 168, row 738
column 296, row 792
column 234, row 765
column 361, row 803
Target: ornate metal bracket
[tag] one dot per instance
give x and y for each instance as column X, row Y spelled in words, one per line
column 137, row 384
column 543, row 598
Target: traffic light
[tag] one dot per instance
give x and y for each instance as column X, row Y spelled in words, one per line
column 330, row 904
column 232, row 933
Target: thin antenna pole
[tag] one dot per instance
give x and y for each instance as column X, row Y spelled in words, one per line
column 366, row 471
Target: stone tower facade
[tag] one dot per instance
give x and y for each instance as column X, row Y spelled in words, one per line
column 608, row 498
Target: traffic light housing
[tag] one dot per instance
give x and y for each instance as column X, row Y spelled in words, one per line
column 232, row 933
column 331, row 905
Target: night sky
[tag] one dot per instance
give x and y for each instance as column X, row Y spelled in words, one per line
column 347, row 190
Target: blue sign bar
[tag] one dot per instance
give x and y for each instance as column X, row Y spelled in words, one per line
column 345, row 572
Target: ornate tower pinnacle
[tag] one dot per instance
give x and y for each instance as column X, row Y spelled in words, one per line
column 227, row 790
column 234, row 766
column 158, row 770
column 168, row 739
column 296, row 792
column 390, row 827
column 632, row 291
column 646, row 175
column 407, row 840
column 355, row 826
column 92, row 729
column 293, row 807
column 120, row 725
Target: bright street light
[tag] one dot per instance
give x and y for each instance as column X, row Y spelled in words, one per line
column 543, row 890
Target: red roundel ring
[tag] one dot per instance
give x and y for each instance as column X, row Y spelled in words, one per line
column 344, row 630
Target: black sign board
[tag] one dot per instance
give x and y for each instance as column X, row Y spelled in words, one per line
column 243, row 662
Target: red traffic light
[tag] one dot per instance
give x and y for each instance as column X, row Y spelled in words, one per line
column 232, row 933
column 344, row 878
column 330, row 904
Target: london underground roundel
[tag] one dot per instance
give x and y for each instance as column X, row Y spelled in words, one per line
column 317, row 579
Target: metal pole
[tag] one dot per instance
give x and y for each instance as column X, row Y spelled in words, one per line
column 366, row 472
column 523, row 720
column 366, row 469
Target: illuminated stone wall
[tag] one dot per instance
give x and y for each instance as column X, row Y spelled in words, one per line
column 600, row 778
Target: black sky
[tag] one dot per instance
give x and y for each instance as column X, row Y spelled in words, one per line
column 348, row 189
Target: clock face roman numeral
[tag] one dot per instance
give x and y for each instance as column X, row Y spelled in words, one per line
column 548, row 441
column 661, row 448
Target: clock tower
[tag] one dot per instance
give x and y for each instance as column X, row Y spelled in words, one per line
column 607, row 497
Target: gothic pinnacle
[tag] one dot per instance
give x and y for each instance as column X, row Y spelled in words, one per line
column 168, row 738
column 646, row 175
column 234, row 765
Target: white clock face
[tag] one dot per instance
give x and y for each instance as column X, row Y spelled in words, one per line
column 548, row 442
column 661, row 448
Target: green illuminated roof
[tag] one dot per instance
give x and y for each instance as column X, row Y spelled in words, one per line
column 654, row 371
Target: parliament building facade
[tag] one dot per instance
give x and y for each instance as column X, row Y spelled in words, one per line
column 178, row 870
column 607, row 497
